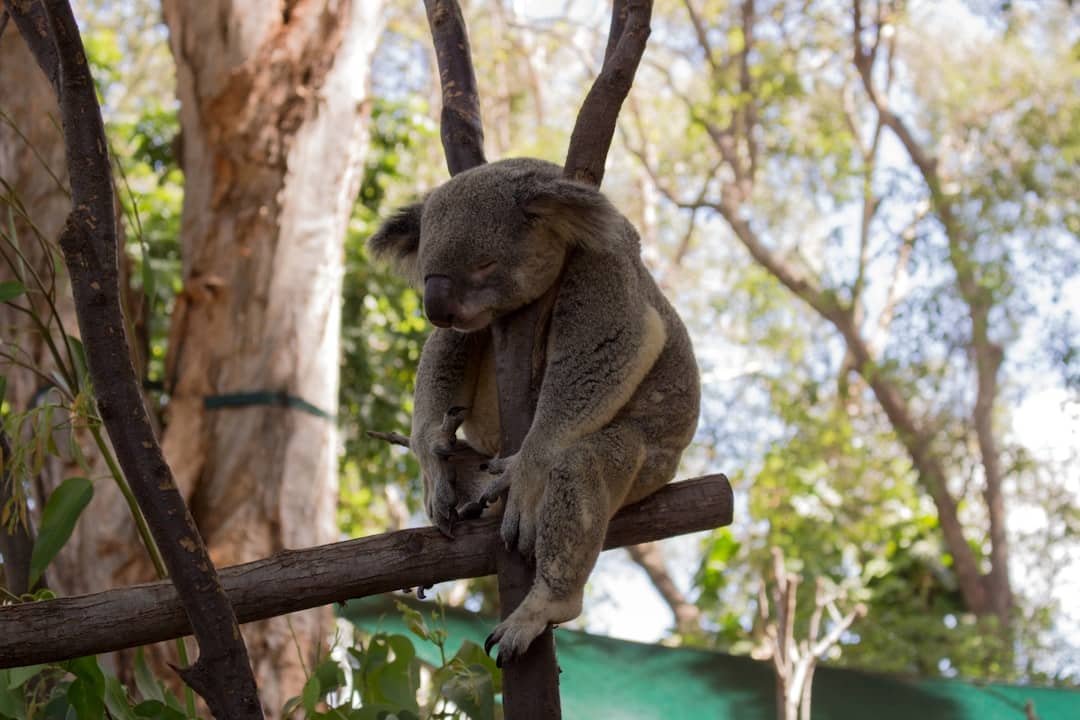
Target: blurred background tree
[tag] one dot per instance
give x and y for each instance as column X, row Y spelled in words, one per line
column 866, row 211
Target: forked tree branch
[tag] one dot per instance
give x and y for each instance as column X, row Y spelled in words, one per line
column 295, row 580
column 461, row 129
column 595, row 126
column 794, row 661
column 994, row 590
column 222, row 674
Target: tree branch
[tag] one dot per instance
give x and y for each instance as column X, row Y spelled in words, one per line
column 295, row 580
column 461, row 128
column 531, row 681
column 595, row 125
column 222, row 674
column 702, row 35
column 988, row 354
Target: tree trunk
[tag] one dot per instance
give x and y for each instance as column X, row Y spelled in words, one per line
column 273, row 114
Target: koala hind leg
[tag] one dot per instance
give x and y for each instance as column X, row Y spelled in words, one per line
column 586, row 485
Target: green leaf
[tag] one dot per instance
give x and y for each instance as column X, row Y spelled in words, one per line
column 145, row 682
column 3, row 388
column 116, row 700
column 311, row 694
column 88, row 704
column 11, row 289
column 87, row 669
column 399, row 679
column 59, row 707
column 18, row 676
column 290, row 705
column 149, row 708
column 157, row 710
column 78, row 353
column 471, row 681
column 12, row 704
column 330, row 676
column 413, row 620
column 62, row 510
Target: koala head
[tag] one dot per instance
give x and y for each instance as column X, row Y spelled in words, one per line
column 493, row 239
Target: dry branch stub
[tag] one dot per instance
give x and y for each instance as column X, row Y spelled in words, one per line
column 294, row 580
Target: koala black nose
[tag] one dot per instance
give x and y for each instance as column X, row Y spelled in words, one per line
column 439, row 302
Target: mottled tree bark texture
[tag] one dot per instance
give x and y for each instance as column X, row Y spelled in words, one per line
column 273, row 114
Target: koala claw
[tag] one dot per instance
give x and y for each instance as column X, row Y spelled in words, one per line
column 472, row 510
column 513, row 638
column 511, row 524
column 445, row 522
column 495, row 490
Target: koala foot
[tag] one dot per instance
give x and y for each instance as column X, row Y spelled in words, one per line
column 536, row 613
column 514, row 637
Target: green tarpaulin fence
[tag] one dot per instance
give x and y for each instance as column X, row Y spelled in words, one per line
column 604, row 678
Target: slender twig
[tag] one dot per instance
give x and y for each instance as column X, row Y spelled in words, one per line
column 70, row 370
column 33, row 149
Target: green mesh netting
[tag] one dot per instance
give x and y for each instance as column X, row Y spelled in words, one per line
column 620, row 680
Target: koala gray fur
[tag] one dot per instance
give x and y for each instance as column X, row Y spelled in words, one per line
column 620, row 393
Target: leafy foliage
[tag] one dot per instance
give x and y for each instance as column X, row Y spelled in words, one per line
column 382, row 330
column 785, row 144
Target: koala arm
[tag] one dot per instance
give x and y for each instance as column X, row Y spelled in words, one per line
column 445, row 378
column 604, row 339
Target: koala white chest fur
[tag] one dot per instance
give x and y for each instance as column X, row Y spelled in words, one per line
column 620, row 393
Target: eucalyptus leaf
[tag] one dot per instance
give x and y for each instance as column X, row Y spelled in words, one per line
column 145, row 682
column 18, row 676
column 88, row 704
column 58, row 519
column 11, row 289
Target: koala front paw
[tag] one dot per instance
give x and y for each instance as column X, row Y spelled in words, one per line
column 440, row 498
column 521, row 479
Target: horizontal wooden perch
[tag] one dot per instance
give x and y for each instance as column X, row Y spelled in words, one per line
column 295, row 580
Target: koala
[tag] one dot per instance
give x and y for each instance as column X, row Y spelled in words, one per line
column 619, row 397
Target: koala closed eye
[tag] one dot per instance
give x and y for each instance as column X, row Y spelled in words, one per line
column 483, row 271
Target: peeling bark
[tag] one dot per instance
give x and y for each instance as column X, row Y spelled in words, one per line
column 274, row 109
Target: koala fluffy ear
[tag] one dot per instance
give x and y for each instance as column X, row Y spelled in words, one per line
column 575, row 213
column 398, row 239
